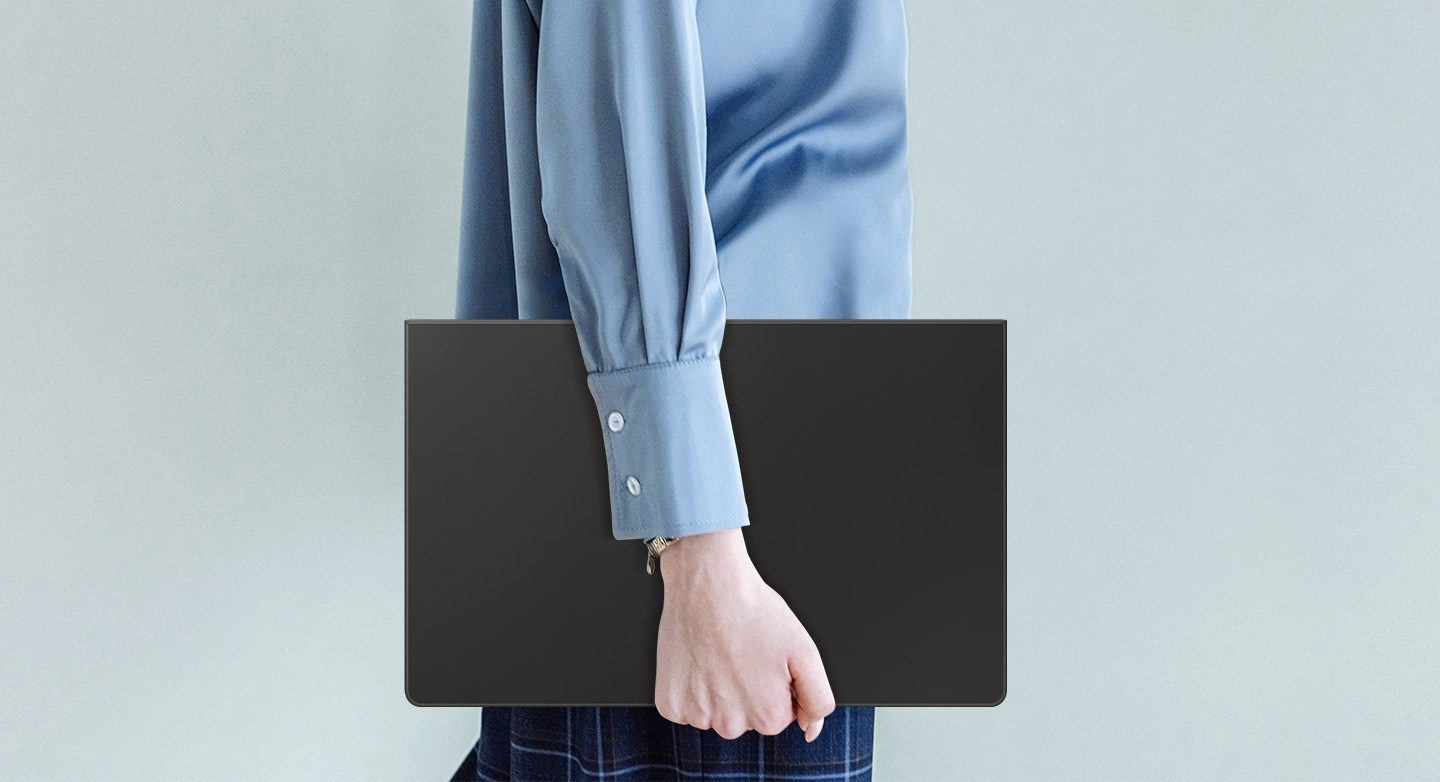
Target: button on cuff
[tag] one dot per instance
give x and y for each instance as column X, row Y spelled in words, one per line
column 667, row 430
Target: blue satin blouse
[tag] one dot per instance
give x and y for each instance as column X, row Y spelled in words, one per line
column 648, row 168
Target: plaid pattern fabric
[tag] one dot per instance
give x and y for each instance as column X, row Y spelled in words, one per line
column 631, row 743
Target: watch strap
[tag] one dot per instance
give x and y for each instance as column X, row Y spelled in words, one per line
column 653, row 547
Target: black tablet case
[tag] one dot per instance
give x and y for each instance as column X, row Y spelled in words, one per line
column 873, row 455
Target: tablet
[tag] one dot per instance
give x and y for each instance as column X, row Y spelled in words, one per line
column 873, row 460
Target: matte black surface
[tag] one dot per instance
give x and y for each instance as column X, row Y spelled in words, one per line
column 873, row 453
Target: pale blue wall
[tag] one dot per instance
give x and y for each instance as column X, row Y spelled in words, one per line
column 1214, row 229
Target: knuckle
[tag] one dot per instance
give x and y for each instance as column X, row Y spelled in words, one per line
column 669, row 709
column 729, row 729
column 772, row 725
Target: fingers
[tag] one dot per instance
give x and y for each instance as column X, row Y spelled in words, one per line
column 812, row 730
column 774, row 721
column 770, row 719
column 813, row 699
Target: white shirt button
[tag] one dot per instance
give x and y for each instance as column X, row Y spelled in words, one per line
column 632, row 484
column 617, row 421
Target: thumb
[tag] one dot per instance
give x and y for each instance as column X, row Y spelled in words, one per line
column 813, row 698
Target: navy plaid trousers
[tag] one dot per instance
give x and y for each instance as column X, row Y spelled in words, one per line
column 631, row 743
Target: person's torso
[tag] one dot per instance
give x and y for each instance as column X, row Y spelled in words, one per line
column 808, row 182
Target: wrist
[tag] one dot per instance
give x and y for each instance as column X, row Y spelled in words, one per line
column 688, row 558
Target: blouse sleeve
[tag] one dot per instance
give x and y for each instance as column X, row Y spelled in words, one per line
column 621, row 138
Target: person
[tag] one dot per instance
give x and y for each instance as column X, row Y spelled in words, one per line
column 648, row 169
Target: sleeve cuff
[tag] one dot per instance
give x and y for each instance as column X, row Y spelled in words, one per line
column 670, row 449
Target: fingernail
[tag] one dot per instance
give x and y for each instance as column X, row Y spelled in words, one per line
column 814, row 730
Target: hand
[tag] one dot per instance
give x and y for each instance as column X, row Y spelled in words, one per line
column 732, row 656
